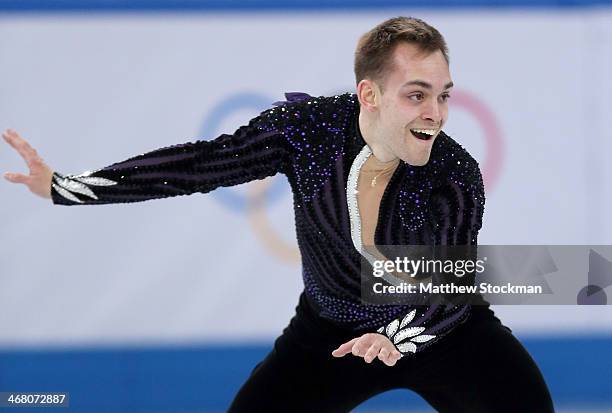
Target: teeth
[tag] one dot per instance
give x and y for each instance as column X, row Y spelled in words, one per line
column 427, row 131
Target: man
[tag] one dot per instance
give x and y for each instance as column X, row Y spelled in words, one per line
column 368, row 169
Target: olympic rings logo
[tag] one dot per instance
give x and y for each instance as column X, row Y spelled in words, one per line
column 494, row 155
column 255, row 201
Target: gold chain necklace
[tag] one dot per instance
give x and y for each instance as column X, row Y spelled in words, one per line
column 373, row 182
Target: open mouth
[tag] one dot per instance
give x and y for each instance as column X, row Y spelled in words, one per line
column 423, row 134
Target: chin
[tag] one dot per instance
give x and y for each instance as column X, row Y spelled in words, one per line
column 421, row 163
column 416, row 161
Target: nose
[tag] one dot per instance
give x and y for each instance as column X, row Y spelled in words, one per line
column 432, row 112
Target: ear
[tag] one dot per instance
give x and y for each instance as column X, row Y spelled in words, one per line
column 368, row 94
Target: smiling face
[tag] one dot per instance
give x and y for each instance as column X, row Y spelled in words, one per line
column 404, row 120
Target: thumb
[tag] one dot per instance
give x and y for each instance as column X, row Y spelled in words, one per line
column 16, row 178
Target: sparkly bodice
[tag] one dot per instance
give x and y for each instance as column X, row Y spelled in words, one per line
column 316, row 143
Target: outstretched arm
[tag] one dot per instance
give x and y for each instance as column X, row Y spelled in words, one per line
column 254, row 151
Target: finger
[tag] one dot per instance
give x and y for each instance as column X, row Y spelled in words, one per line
column 344, row 349
column 360, row 347
column 372, row 352
column 13, row 132
column 383, row 355
column 8, row 132
column 392, row 357
column 395, row 356
column 391, row 362
column 21, row 146
column 16, row 178
column 35, row 162
column 12, row 138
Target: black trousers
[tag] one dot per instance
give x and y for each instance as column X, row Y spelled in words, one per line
column 478, row 367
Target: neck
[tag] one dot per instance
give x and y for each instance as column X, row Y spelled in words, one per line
column 370, row 136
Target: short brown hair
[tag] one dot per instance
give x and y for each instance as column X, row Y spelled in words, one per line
column 373, row 57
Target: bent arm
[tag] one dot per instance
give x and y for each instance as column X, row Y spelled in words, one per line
column 457, row 211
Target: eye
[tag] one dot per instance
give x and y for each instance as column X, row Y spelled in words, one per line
column 445, row 97
column 416, row 97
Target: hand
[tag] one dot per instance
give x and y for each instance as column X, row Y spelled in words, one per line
column 39, row 179
column 369, row 346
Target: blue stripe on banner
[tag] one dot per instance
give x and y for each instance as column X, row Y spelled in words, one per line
column 206, row 379
column 277, row 5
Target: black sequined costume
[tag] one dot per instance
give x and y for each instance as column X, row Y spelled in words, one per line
column 315, row 142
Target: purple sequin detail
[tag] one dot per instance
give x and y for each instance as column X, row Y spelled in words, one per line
column 292, row 97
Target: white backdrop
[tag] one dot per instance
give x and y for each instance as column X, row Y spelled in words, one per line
column 530, row 103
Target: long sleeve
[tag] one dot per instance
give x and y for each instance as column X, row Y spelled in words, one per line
column 456, row 208
column 254, row 151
